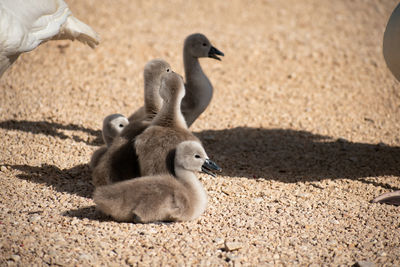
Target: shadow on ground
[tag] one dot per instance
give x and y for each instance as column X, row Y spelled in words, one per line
column 291, row 156
column 279, row 154
column 76, row 180
column 89, row 213
column 52, row 129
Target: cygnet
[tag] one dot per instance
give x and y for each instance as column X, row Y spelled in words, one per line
column 156, row 145
column 112, row 126
column 120, row 161
column 153, row 71
column 199, row 89
column 163, row 197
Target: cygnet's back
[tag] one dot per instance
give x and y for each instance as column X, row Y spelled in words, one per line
column 155, row 146
column 162, row 197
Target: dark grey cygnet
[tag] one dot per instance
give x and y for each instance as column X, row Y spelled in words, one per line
column 199, row 89
column 112, row 126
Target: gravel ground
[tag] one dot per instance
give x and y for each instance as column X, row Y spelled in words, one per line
column 304, row 121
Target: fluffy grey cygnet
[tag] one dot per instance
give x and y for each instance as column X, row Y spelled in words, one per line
column 199, row 89
column 153, row 72
column 162, row 197
column 120, row 160
column 112, row 126
column 155, row 147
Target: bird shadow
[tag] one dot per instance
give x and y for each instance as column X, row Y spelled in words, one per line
column 89, row 212
column 275, row 154
column 53, row 129
column 291, row 156
column 284, row 155
column 92, row 213
column 75, row 180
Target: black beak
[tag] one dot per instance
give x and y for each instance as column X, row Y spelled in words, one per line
column 214, row 52
column 209, row 166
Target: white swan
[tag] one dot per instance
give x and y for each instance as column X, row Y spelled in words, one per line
column 391, row 53
column 163, row 197
column 25, row 24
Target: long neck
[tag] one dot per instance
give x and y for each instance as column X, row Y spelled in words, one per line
column 170, row 114
column 195, row 188
column 199, row 90
column 152, row 99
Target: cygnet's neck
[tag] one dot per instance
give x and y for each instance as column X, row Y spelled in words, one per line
column 195, row 190
column 152, row 99
column 170, row 114
column 107, row 138
column 108, row 133
column 199, row 90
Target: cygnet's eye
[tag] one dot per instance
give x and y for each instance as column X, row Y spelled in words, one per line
column 197, row 156
column 121, row 125
column 204, row 44
column 167, row 70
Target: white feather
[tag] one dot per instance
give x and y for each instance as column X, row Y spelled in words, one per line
column 25, row 24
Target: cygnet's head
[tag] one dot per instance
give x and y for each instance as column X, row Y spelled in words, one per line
column 172, row 87
column 113, row 125
column 197, row 45
column 190, row 155
column 154, row 69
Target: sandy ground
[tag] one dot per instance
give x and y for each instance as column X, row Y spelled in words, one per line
column 304, row 121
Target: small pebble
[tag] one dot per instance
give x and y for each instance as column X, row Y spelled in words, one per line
column 219, row 241
column 3, row 168
column 258, row 200
column 86, row 257
column 15, row 258
column 152, row 231
column 231, row 246
column 33, row 218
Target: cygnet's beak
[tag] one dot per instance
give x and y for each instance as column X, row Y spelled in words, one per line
column 209, row 166
column 214, row 52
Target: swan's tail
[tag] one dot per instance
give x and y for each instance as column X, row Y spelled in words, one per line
column 73, row 29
